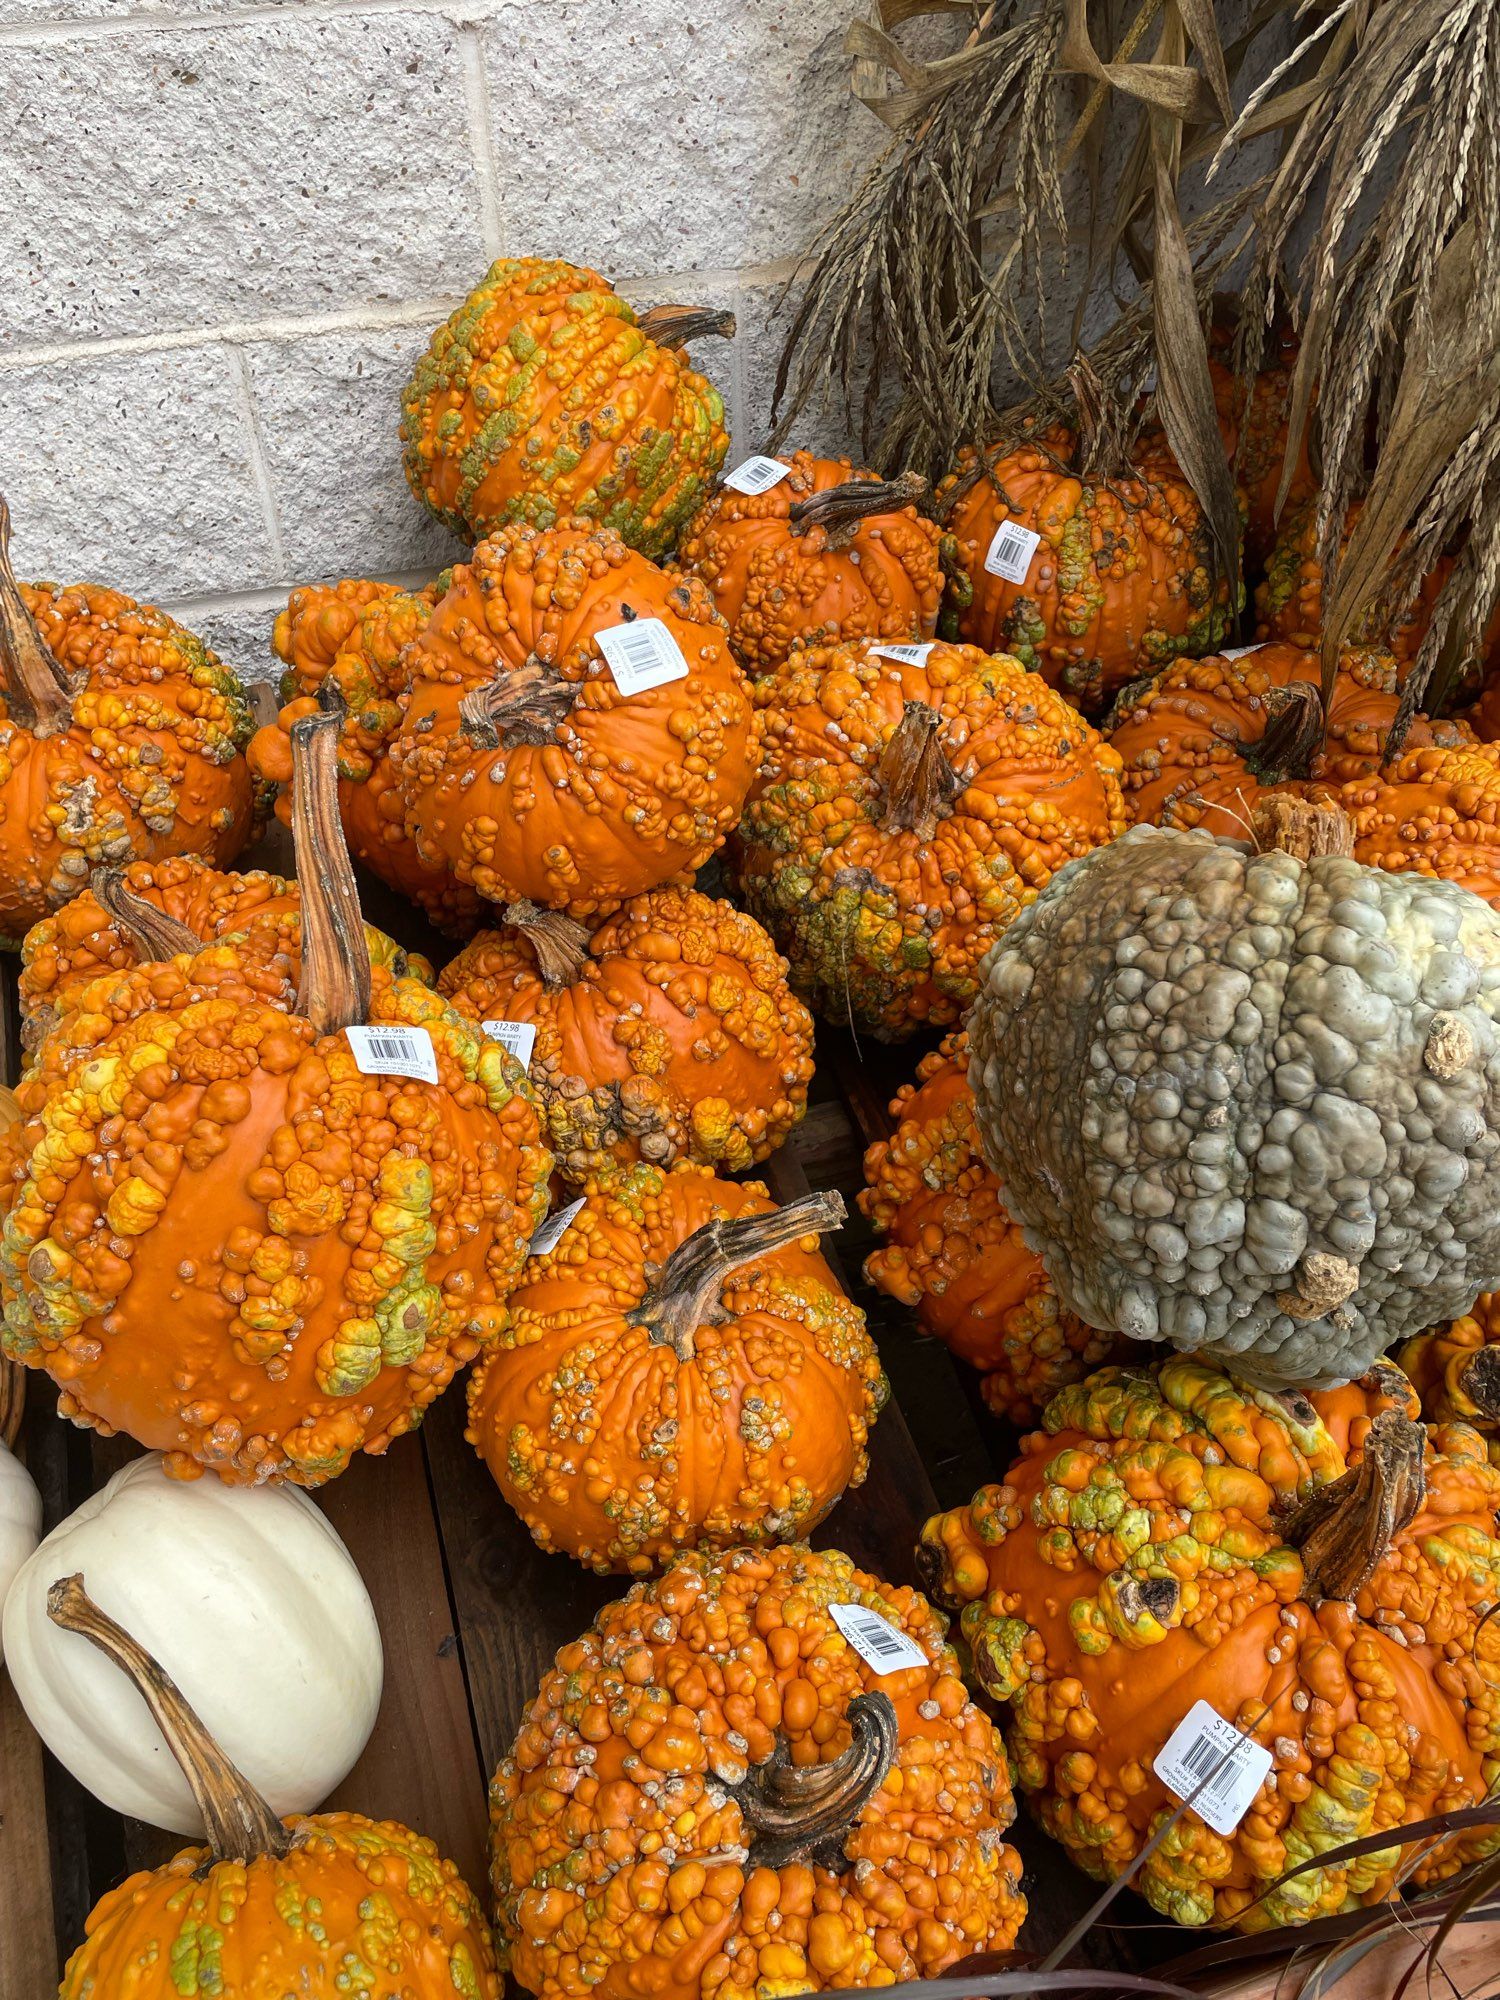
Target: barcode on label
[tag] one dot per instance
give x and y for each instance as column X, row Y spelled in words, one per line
column 1011, row 551
column 393, row 1049
column 642, row 654
column 1205, row 1750
column 909, row 656
column 551, row 1231
column 756, row 475
column 877, row 1641
column 517, row 1036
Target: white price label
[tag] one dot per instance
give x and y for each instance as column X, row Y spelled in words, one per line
column 1239, row 652
column 1206, row 1750
column 551, row 1230
column 756, row 474
column 1011, row 551
column 394, row 1049
column 878, row 1642
column 909, row 656
column 641, row 655
column 517, row 1036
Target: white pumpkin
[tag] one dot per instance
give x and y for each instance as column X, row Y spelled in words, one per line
column 20, row 1522
column 250, row 1602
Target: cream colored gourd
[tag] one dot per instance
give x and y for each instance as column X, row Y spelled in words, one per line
column 250, row 1602
column 20, row 1522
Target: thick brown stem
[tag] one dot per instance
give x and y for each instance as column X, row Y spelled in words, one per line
column 241, row 1825
column 12, row 1399
column 675, row 326
column 559, row 944
column 1345, row 1529
column 334, row 991
column 840, row 509
column 36, row 688
column 154, row 934
column 1297, row 732
column 917, row 783
column 1305, row 828
column 685, row 1294
column 1479, row 1379
column 523, row 707
column 802, row 1813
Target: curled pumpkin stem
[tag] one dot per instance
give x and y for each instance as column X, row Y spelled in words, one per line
column 917, row 783
column 675, row 326
column 685, row 1295
column 523, row 707
column 334, row 992
column 802, row 1813
column 36, row 688
column 241, row 1825
column 1298, row 731
column 1345, row 1528
column 840, row 509
column 1479, row 1379
column 559, row 943
column 1304, row 828
column 154, row 934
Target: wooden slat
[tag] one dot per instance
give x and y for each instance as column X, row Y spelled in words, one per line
column 28, row 1955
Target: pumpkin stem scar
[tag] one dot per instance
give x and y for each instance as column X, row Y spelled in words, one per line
column 154, row 934
column 1304, row 828
column 1344, row 1529
column 241, row 1825
column 687, row 1291
column 1297, row 732
column 559, row 943
column 917, row 783
column 36, row 688
column 675, row 326
column 840, row 509
column 334, row 991
column 802, row 1813
column 523, row 707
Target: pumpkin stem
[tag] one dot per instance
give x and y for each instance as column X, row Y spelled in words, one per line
column 1297, row 732
column 241, row 1825
column 1306, row 828
column 840, row 509
column 12, row 1399
column 685, row 1294
column 802, row 1813
column 334, row 991
column 1479, row 1379
column 1346, row 1527
column 675, row 326
column 36, row 688
column 559, row 944
column 523, row 707
column 917, row 783
column 155, row 935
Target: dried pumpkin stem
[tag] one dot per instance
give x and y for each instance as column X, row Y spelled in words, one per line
column 675, row 326
column 523, row 707
column 917, row 783
column 1345, row 1529
column 1479, row 1379
column 803, row 1812
column 840, row 509
column 241, row 1825
column 36, row 688
column 686, row 1293
column 559, row 944
column 334, row 991
column 1305, row 828
column 12, row 1399
column 154, row 934
column 1298, row 731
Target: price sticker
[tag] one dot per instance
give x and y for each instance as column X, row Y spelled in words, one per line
column 878, row 1642
column 756, row 474
column 394, row 1049
column 1205, row 1750
column 1011, row 551
column 641, row 655
column 517, row 1036
column 909, row 656
column 553, row 1228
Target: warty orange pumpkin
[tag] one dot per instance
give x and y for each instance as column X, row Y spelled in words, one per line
column 122, row 737
column 906, row 810
column 715, row 1796
column 1455, row 1370
column 681, row 1370
column 666, row 1032
column 1434, row 811
column 1253, row 421
column 319, row 1906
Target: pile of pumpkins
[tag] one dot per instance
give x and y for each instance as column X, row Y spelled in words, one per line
column 1220, row 983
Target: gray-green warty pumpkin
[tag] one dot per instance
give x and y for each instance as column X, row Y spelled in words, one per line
column 1246, row 1100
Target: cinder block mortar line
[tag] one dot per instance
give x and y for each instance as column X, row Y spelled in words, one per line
column 462, row 13
column 482, row 141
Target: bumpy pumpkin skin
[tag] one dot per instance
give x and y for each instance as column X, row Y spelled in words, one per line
column 225, row 1240
column 782, row 585
column 954, row 1255
column 588, row 796
column 1133, row 1562
column 1193, row 738
column 1433, row 812
column 1123, row 582
column 621, row 1449
column 1455, row 1369
column 542, row 399
column 676, row 1037
column 640, row 1882
column 1272, row 1094
column 148, row 763
column 1254, row 429
column 886, row 885
column 357, row 1906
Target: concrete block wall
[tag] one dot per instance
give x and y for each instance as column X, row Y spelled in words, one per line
column 228, row 228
